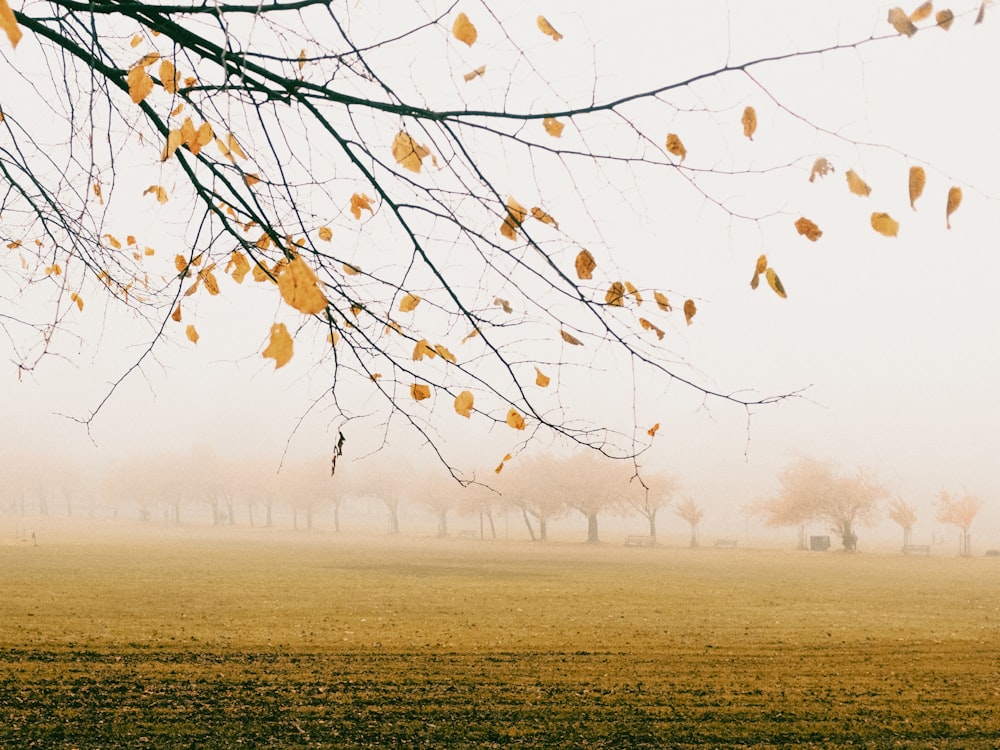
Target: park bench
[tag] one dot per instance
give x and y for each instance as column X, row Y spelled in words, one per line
column 916, row 549
column 637, row 540
column 726, row 543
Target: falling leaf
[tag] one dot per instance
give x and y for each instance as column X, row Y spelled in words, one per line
column 408, row 152
column 463, row 404
column 775, row 283
column 569, row 338
column 749, row 121
column 463, row 30
column 541, row 379
column 140, row 83
column 689, row 310
column 649, row 326
column 503, row 304
column 585, row 265
column 280, row 346
column 192, row 334
column 419, row 391
column 615, row 295
column 538, row 213
column 359, row 202
column 325, row 234
column 675, row 147
column 516, row 214
column 944, row 19
column 923, row 11
column 885, row 224
column 553, row 127
column 662, row 302
column 499, row 468
column 954, row 201
column 652, row 430
column 546, row 28
column 503, row 461
column 821, row 168
column 168, row 77
column 808, row 229
column 901, row 22
column 473, row 74
column 423, row 349
column 176, row 314
column 918, row 178
column 515, row 420
column 9, row 23
column 856, row 185
column 299, row 287
column 445, row 354
column 408, row 303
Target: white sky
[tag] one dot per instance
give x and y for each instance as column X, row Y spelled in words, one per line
column 893, row 339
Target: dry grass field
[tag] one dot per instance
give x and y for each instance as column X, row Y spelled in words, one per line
column 319, row 641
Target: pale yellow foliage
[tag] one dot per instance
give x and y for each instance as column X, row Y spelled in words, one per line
column 923, row 11
column 463, row 30
column 856, row 185
column 546, row 28
column 409, row 303
column 192, row 334
column 775, row 283
column 553, row 127
column 541, row 379
column 918, row 178
column 280, row 346
column 407, row 152
column 463, row 404
column 325, row 234
column 299, row 287
column 885, row 224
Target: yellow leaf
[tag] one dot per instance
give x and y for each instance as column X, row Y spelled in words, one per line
column 636, row 295
column 473, row 74
column 470, row 335
column 652, row 430
column 280, row 346
column 158, row 191
column 954, row 201
column 918, row 178
column 359, row 202
column 174, row 140
column 251, row 178
column 808, row 229
column 944, row 19
column 901, row 22
column 585, row 265
column 181, row 264
column 503, row 304
column 299, row 287
column 648, row 326
column 885, row 224
column 749, row 121
column 615, row 295
column 407, row 152
column 209, row 281
column 761, row 264
column 134, row 42
column 302, row 58
column 463, row 30
column 168, row 76
column 97, row 192
column 148, row 251
column 662, row 302
column 234, row 146
column 54, row 270
column 113, row 241
column 408, row 303
column 923, row 11
column 553, row 127
column 9, row 23
column 541, row 379
column 775, row 283
column 543, row 217
column 516, row 214
column 176, row 314
column 463, row 404
column 202, row 137
column 192, row 334
column 675, row 147
column 444, row 354
column 419, row 391
column 547, row 29
column 191, row 289
column 689, row 310
column 140, row 83
column 351, row 270
column 856, row 185
column 423, row 349
column 821, row 168
column 325, row 234
column 515, row 420
column 148, row 59
column 569, row 338
column 177, row 110
column 130, row 240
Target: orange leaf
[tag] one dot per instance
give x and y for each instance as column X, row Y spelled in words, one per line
column 409, row 303
column 419, row 391
column 885, row 224
column 463, row 30
column 541, row 379
column 749, row 121
column 168, row 76
column 689, row 310
column 140, row 83
column 325, row 234
column 407, row 152
column 192, row 334
column 176, row 314
column 359, row 202
column 650, row 327
column 516, row 214
column 299, row 287
column 463, row 404
column 675, row 147
column 662, row 302
column 553, row 127
column 569, row 338
column 808, row 229
column 543, row 217
column 515, row 420
column 954, row 201
column 547, row 29
column 473, row 74
column 280, row 346
column 918, row 178
column 652, row 430
column 78, row 300
column 615, row 295
column 585, row 265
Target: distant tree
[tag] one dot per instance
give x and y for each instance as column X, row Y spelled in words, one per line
column 527, row 485
column 691, row 512
column 439, row 494
column 812, row 491
column 592, row 484
column 905, row 515
column 959, row 511
column 649, row 493
column 478, row 499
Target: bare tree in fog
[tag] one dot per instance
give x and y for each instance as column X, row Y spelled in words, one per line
column 691, row 512
column 811, row 490
column 648, row 493
column 592, row 484
column 527, row 484
column 960, row 511
column 905, row 515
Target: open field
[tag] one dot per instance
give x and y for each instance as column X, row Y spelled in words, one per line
column 317, row 641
